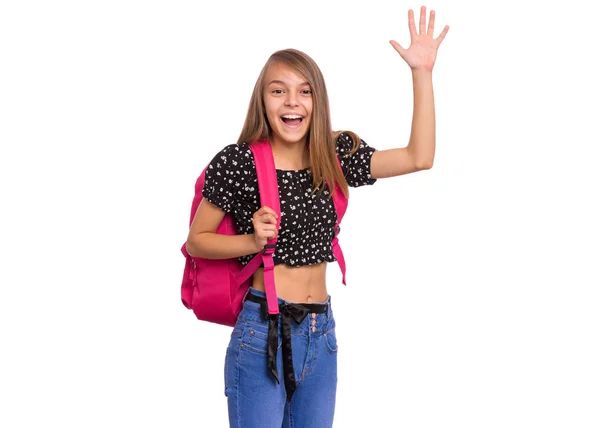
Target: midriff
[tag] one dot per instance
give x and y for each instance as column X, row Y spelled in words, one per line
column 304, row 284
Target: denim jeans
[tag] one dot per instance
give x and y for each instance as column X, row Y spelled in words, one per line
column 255, row 399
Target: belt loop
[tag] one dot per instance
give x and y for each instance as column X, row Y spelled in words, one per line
column 246, row 294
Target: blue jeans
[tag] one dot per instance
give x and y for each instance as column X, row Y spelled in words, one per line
column 255, row 399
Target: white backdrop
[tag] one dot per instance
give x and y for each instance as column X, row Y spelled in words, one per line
column 482, row 272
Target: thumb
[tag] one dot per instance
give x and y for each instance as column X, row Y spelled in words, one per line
column 398, row 48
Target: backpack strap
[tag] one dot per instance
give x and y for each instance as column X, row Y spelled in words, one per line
column 341, row 204
column 269, row 196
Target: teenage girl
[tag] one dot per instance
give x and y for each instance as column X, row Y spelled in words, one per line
column 291, row 379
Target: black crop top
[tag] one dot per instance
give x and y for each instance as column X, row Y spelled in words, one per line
column 307, row 220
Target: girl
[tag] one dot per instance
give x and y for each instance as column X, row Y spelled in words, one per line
column 291, row 381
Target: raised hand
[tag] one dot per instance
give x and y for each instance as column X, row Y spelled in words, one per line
column 423, row 48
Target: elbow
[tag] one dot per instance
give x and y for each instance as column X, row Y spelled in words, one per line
column 425, row 164
column 192, row 246
column 421, row 160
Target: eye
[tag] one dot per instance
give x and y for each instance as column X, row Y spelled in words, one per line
column 306, row 92
column 277, row 91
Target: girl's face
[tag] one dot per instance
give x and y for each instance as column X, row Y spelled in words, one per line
column 288, row 103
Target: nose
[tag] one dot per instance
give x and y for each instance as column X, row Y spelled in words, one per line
column 291, row 100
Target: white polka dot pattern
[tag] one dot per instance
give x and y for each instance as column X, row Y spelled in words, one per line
column 307, row 219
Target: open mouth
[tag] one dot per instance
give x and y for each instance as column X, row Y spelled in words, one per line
column 292, row 120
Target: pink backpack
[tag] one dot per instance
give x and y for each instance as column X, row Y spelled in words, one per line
column 214, row 289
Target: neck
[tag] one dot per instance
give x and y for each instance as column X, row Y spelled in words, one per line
column 290, row 156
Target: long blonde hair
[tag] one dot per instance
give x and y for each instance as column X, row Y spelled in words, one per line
column 321, row 139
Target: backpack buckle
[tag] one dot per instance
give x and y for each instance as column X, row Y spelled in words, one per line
column 267, row 247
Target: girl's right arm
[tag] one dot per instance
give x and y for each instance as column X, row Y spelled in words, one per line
column 203, row 241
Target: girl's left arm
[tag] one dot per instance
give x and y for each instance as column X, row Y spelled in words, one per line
column 420, row 56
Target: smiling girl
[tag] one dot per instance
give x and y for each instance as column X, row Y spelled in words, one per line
column 289, row 107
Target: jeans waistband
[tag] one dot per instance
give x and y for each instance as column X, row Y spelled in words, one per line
column 301, row 309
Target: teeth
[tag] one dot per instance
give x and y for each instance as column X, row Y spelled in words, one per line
column 292, row 116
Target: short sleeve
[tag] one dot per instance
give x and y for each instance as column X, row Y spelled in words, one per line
column 357, row 166
column 224, row 180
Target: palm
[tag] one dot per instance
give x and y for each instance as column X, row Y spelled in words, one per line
column 423, row 48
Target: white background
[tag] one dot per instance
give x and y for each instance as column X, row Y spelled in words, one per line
column 473, row 288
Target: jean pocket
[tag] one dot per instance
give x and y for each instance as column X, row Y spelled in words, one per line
column 331, row 341
column 255, row 339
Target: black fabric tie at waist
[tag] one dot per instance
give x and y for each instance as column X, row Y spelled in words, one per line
column 288, row 311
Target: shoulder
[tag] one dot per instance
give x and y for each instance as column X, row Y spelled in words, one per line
column 234, row 153
column 233, row 157
column 227, row 176
column 348, row 144
column 344, row 144
column 234, row 163
column 355, row 156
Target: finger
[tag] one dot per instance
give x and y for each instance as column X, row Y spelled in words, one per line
column 397, row 47
column 440, row 38
column 262, row 211
column 269, row 218
column 411, row 24
column 431, row 23
column 422, row 21
column 265, row 233
column 265, row 229
column 269, row 210
column 263, row 221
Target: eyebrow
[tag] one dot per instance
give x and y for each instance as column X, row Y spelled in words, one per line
column 279, row 82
